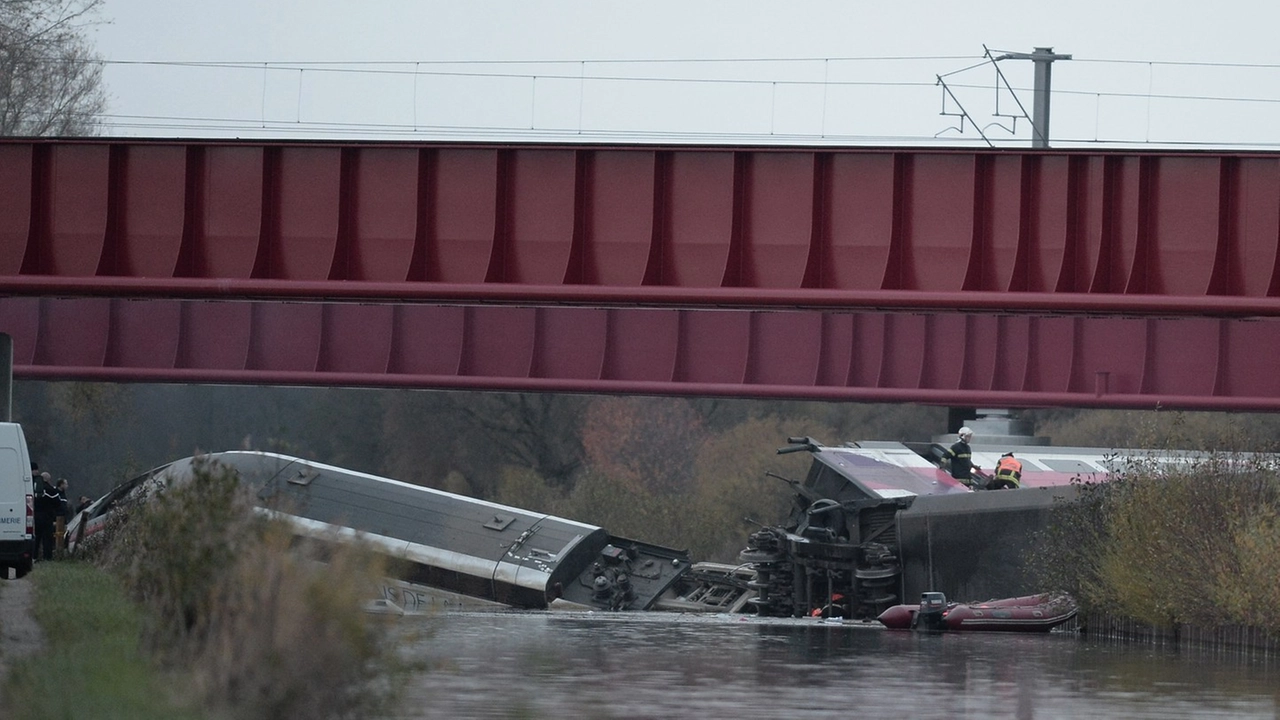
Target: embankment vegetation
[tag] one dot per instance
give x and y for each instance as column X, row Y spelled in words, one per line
column 1171, row 543
column 240, row 618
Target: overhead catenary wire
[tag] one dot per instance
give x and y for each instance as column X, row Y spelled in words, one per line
column 685, row 60
column 506, row 134
column 554, row 61
column 336, row 67
column 796, row 78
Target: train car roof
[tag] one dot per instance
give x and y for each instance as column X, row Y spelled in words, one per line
column 388, row 508
column 895, row 469
column 890, row 469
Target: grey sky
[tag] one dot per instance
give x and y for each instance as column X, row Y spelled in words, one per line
column 794, row 72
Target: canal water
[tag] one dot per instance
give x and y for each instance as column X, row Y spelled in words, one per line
column 659, row 665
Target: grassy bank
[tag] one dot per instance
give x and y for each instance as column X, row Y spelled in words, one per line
column 93, row 666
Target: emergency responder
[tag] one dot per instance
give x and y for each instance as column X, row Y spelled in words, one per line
column 63, row 515
column 48, row 505
column 1008, row 474
column 960, row 458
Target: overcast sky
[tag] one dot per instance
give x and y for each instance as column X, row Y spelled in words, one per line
column 1143, row 73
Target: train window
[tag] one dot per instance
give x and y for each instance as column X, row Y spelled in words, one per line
column 826, row 482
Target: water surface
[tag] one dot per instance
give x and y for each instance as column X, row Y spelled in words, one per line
column 651, row 665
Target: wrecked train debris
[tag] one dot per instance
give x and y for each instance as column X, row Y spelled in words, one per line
column 872, row 525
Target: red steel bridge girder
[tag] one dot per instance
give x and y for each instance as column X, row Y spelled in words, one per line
column 1038, row 230
column 1105, row 279
column 938, row 358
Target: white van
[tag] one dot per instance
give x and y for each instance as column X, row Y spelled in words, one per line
column 17, row 502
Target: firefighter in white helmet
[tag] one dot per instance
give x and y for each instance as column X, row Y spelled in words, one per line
column 960, row 457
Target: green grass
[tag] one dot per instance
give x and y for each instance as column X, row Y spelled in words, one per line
column 93, row 666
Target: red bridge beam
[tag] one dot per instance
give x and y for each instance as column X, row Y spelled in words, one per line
column 1042, row 230
column 939, row 358
column 645, row 296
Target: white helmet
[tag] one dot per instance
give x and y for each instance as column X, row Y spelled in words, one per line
column 965, row 433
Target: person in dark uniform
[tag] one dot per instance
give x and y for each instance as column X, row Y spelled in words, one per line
column 64, row 515
column 48, row 505
column 960, row 458
column 1008, row 474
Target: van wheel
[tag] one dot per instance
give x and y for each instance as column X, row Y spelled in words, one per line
column 20, row 571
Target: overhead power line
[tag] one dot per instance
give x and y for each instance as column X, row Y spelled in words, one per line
column 336, row 68
column 1185, row 63
column 598, row 75
column 560, row 61
column 249, row 129
column 670, row 61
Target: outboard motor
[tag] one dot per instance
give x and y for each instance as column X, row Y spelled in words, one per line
column 932, row 615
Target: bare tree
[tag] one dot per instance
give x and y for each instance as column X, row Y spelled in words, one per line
column 50, row 76
column 538, row 431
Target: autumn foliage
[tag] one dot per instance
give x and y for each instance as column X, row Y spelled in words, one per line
column 1173, row 543
column 655, row 472
column 647, row 444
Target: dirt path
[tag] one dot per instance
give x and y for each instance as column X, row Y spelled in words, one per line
column 20, row 636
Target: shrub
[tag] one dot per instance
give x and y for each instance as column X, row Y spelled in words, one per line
column 1250, row 586
column 271, row 624
column 284, row 635
column 1067, row 554
column 176, row 543
column 1166, row 543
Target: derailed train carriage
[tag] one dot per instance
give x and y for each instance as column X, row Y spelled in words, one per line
column 450, row 550
column 876, row 524
column 872, row 525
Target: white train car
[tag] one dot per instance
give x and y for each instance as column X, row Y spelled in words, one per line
column 450, row 549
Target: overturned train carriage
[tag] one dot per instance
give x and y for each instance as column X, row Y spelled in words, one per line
column 876, row 524
column 449, row 549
